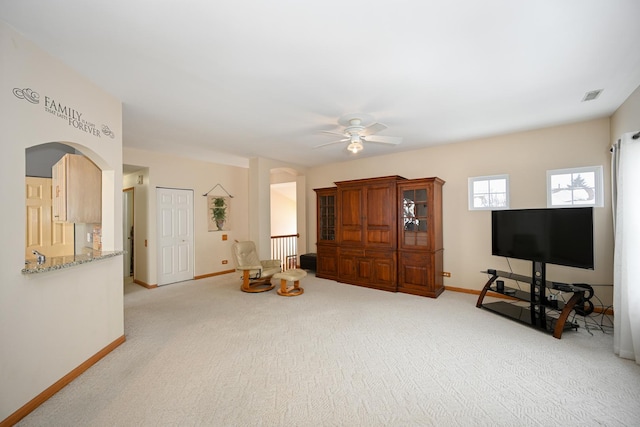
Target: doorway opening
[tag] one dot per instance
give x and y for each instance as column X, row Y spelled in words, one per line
column 287, row 212
column 128, row 231
column 44, row 233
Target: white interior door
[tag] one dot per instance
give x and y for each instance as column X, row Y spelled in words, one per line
column 175, row 235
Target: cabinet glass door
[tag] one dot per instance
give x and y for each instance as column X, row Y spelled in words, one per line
column 414, row 217
column 327, row 217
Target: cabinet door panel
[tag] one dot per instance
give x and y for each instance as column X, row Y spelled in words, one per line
column 415, row 269
column 348, row 259
column 414, row 221
column 351, row 236
column 379, row 206
column 385, row 272
column 364, row 270
column 77, row 190
column 347, row 267
column 380, row 215
column 84, row 190
column 382, row 237
column 326, row 214
column 351, row 207
column 420, row 273
column 377, row 269
column 327, row 262
column 414, row 275
column 351, row 216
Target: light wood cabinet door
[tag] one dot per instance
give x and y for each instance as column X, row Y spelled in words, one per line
column 77, row 190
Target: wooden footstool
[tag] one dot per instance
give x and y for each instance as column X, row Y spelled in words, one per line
column 294, row 276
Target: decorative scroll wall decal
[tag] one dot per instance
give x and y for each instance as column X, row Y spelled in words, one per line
column 28, row 94
column 71, row 115
column 108, row 132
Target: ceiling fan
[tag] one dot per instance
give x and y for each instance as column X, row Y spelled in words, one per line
column 356, row 133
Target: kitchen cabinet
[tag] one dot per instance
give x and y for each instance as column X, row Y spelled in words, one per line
column 77, row 190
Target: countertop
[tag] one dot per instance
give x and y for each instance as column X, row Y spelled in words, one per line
column 60, row 262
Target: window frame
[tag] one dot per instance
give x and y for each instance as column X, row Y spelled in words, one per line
column 598, row 186
column 471, row 194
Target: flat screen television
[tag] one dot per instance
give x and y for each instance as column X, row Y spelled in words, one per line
column 562, row 236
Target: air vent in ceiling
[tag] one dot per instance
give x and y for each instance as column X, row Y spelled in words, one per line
column 591, row 95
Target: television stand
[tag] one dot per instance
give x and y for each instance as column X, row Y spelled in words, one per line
column 536, row 311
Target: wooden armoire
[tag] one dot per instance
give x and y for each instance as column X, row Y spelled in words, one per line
column 383, row 233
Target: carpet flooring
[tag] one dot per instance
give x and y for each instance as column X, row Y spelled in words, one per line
column 203, row 353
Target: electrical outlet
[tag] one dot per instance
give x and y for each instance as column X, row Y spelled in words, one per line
column 224, row 261
column 446, row 274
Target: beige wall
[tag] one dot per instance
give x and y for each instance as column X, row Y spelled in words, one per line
column 51, row 323
column 525, row 157
column 250, row 206
column 627, row 117
column 166, row 170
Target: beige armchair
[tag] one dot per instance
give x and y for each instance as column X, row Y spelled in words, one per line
column 256, row 273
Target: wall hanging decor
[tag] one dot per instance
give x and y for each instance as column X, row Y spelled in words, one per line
column 218, row 209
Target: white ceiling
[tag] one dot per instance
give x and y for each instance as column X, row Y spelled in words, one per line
column 234, row 79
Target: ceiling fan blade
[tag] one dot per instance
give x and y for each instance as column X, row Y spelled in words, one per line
column 395, row 140
column 373, row 128
column 330, row 143
column 328, row 132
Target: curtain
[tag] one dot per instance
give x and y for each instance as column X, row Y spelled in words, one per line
column 625, row 179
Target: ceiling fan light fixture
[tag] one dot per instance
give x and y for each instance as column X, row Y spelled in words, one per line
column 356, row 133
column 354, row 147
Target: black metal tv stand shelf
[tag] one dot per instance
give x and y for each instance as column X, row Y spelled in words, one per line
column 537, row 313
